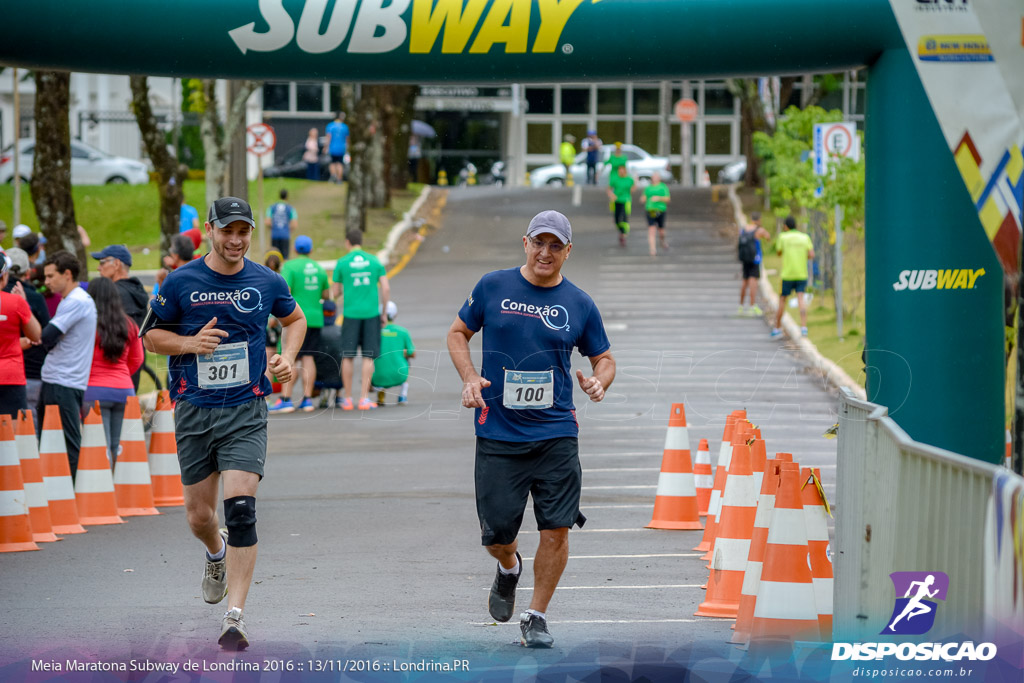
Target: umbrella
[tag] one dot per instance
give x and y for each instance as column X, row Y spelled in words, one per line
column 424, row 130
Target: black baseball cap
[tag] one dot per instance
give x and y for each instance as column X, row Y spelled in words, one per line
column 118, row 251
column 227, row 210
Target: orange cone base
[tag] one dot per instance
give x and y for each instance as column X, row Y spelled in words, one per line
column 825, row 626
column 18, row 547
column 703, row 546
column 137, row 512
column 662, row 524
column 96, row 521
column 16, row 527
column 720, row 584
column 717, row 609
column 169, row 502
column 45, row 538
column 69, row 529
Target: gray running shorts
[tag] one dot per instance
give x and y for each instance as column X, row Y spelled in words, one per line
column 218, row 439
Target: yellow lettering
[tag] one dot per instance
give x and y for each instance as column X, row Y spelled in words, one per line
column 974, row 276
column 961, row 280
column 514, row 33
column 946, row 278
column 553, row 16
column 427, row 22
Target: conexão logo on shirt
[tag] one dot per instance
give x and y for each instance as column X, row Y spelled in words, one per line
column 555, row 317
column 938, row 279
column 244, row 300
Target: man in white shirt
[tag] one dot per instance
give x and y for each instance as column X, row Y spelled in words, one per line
column 70, row 338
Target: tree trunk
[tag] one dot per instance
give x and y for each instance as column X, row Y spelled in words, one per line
column 216, row 134
column 361, row 131
column 397, row 118
column 51, row 166
column 170, row 173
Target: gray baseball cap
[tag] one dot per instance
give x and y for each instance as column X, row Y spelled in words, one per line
column 552, row 222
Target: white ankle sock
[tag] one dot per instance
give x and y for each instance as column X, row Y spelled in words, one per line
column 542, row 615
column 514, row 570
column 219, row 556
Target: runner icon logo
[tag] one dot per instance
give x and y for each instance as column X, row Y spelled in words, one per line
column 914, row 612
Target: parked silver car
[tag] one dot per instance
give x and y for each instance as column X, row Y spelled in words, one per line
column 641, row 166
column 89, row 166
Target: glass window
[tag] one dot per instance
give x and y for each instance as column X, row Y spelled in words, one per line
column 335, row 98
column 79, row 152
column 717, row 100
column 859, row 94
column 632, row 155
column 645, row 135
column 676, row 141
column 833, row 100
column 577, row 130
column 538, row 138
column 611, row 101
column 575, row 100
column 718, row 138
column 611, row 132
column 275, row 96
column 540, row 100
column 646, row 101
column 309, row 97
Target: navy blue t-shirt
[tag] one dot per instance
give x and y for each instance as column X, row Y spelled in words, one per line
column 527, row 328
column 194, row 294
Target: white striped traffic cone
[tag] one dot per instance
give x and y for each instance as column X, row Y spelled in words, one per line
column 702, row 478
column 675, row 504
column 31, row 471
column 164, row 470
column 94, row 484
column 15, row 526
column 60, row 491
column 132, row 485
column 816, row 517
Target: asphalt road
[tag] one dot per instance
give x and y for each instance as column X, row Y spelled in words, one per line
column 369, row 545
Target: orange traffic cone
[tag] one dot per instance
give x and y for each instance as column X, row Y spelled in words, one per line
column 60, row 491
column 94, row 485
column 15, row 525
column 785, row 607
column 702, row 478
column 758, row 544
column 758, row 459
column 815, row 514
column 740, row 432
column 32, row 473
column 732, row 545
column 164, row 470
column 675, row 504
column 132, row 485
column 715, row 500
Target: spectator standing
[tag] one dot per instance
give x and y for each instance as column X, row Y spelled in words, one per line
column 33, row 354
column 188, row 218
column 70, row 338
column 567, row 154
column 117, row 355
column 592, row 146
column 311, row 155
column 415, row 153
column 620, row 192
column 183, row 249
column 749, row 251
column 392, row 368
column 281, row 219
column 356, row 276
column 796, row 249
column 337, row 145
column 309, row 286
column 16, row 322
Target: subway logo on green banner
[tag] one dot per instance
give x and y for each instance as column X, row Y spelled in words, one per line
column 373, row 27
column 938, row 279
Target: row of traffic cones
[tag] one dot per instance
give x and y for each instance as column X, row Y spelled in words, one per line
column 37, row 498
column 765, row 531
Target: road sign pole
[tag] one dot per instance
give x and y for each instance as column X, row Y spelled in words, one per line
column 264, row 238
column 838, row 270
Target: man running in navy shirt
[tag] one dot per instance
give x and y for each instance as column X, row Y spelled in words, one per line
column 210, row 317
column 532, row 318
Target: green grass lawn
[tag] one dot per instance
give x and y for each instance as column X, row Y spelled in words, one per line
column 821, row 313
column 129, row 214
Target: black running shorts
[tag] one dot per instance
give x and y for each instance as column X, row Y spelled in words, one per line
column 508, row 472
column 362, row 334
column 751, row 269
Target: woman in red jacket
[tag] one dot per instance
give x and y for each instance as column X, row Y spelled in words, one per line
column 116, row 356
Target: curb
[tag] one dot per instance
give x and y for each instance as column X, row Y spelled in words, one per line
column 832, row 373
column 401, row 227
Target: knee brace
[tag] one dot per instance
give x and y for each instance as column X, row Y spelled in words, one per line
column 240, row 518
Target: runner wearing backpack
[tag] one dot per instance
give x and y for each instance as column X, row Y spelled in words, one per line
column 749, row 252
column 282, row 219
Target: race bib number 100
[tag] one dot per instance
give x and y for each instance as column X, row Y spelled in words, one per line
column 529, row 390
column 227, row 366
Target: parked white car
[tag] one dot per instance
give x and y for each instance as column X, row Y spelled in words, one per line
column 89, row 166
column 641, row 166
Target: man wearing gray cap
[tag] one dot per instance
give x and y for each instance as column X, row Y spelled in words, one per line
column 532, row 318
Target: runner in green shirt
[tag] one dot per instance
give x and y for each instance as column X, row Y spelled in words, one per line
column 620, row 192
column 616, row 160
column 356, row 276
column 796, row 249
column 308, row 283
column 392, row 368
column 656, row 198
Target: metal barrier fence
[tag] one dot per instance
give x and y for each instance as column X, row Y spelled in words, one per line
column 907, row 506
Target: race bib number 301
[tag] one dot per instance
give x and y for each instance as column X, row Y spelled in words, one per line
column 227, row 366
column 529, row 390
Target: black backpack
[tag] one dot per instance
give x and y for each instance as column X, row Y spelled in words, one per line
column 747, row 247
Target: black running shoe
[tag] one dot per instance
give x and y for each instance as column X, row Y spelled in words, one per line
column 535, row 631
column 501, row 601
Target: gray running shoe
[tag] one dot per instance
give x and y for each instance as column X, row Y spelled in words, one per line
column 501, row 601
column 535, row 631
column 215, row 575
column 232, row 634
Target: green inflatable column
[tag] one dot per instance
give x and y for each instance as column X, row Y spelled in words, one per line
column 934, row 337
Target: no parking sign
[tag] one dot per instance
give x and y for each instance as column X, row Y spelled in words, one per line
column 832, row 141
